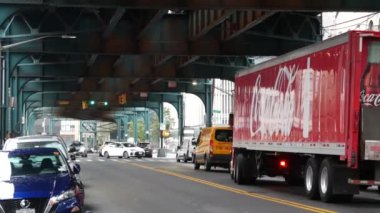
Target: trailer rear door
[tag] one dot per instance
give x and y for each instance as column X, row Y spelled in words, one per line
column 370, row 104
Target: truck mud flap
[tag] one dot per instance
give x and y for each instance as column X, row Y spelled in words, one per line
column 341, row 176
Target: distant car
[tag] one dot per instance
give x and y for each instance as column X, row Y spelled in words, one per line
column 38, row 180
column 147, row 148
column 78, row 149
column 122, row 149
column 186, row 150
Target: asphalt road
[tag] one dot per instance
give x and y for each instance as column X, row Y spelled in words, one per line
column 164, row 186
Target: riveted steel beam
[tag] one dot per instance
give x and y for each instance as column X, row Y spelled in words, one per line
column 241, row 21
column 332, row 5
column 186, row 60
column 161, row 59
column 202, row 21
column 156, row 18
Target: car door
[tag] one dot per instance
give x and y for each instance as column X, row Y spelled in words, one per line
column 119, row 149
column 110, row 148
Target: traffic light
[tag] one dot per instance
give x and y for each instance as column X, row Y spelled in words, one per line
column 105, row 103
column 122, row 99
column 92, row 102
column 84, row 105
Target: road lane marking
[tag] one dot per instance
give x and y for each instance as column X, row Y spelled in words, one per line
column 101, row 160
column 237, row 191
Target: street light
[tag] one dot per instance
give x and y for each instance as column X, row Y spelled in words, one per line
column 3, row 75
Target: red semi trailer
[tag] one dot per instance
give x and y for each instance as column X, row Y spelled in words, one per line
column 312, row 116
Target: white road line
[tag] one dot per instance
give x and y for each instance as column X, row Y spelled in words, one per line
column 101, row 160
column 89, row 160
column 115, row 160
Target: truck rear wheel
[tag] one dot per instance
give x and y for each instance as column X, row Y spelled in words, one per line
column 326, row 176
column 239, row 169
column 311, row 178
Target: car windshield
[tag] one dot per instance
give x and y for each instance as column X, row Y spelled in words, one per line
column 38, row 144
column 128, row 144
column 143, row 145
column 223, row 135
column 21, row 164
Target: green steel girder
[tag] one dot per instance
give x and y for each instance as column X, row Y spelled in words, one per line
column 116, row 50
column 332, row 5
column 162, row 39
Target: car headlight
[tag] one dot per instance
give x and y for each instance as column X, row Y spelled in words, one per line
column 64, row 196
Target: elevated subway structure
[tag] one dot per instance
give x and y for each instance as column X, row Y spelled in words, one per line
column 60, row 53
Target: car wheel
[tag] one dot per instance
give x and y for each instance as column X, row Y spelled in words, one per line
column 196, row 165
column 184, row 159
column 207, row 164
column 106, row 155
column 125, row 155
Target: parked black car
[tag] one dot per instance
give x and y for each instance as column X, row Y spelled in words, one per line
column 147, row 148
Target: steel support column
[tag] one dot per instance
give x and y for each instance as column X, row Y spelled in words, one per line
column 208, row 104
column 2, row 100
column 146, row 125
column 135, row 127
column 118, row 124
column 125, row 120
column 181, row 121
column 161, row 120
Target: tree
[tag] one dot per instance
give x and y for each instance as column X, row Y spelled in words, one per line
column 168, row 119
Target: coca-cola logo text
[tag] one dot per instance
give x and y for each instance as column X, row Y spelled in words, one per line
column 370, row 99
column 272, row 110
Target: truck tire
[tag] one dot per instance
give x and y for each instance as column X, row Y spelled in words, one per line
column 239, row 170
column 311, row 178
column 326, row 177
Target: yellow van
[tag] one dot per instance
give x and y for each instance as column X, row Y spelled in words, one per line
column 213, row 148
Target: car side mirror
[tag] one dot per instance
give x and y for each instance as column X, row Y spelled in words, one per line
column 76, row 168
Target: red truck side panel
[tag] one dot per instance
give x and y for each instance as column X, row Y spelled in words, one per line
column 297, row 103
column 307, row 101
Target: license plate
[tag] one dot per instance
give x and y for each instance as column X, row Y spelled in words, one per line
column 25, row 211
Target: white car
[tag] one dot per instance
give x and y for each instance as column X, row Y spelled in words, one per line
column 122, row 149
column 185, row 151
